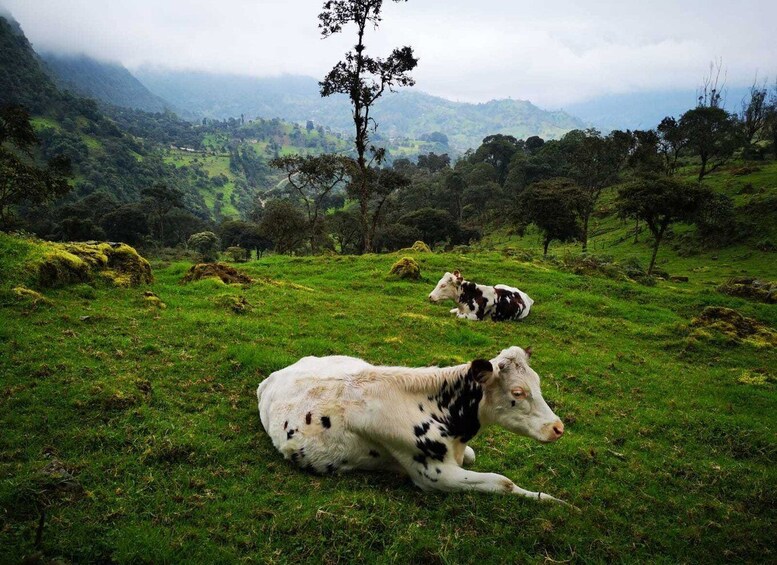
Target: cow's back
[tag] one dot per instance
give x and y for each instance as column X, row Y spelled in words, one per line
column 513, row 306
column 304, row 410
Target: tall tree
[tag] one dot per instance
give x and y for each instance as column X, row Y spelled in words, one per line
column 711, row 133
column 313, row 178
column 596, row 161
column 21, row 178
column 363, row 79
column 661, row 201
column 552, row 205
column 161, row 200
column 755, row 108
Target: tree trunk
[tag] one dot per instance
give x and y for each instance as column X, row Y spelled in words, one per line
column 546, row 243
column 585, row 233
column 655, row 252
column 636, row 231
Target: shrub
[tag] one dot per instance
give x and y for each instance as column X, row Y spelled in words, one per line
column 207, row 244
column 237, row 254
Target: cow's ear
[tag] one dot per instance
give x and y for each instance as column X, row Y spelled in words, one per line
column 528, row 351
column 482, row 370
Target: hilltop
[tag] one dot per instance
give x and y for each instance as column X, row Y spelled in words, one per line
column 107, row 82
column 407, row 113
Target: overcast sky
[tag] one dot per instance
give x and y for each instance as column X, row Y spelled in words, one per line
column 550, row 52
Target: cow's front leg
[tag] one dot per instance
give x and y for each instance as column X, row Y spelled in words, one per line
column 467, row 315
column 452, row 478
column 454, row 310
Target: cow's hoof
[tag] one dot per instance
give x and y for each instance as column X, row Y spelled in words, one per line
column 469, row 455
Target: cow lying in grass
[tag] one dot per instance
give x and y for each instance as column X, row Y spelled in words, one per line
column 476, row 301
column 337, row 414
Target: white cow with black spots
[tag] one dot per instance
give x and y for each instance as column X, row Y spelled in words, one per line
column 336, row 414
column 477, row 301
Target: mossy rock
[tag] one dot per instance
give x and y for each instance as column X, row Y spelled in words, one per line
column 237, row 304
column 30, row 297
column 751, row 288
column 418, row 247
column 153, row 301
column 734, row 327
column 406, row 268
column 226, row 273
column 69, row 263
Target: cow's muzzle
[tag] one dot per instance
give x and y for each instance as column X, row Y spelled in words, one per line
column 553, row 431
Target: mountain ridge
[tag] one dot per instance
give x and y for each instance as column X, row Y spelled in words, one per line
column 105, row 81
column 407, row 113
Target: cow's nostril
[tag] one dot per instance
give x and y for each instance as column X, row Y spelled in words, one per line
column 558, row 429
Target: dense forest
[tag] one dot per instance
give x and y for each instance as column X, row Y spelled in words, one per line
column 153, row 179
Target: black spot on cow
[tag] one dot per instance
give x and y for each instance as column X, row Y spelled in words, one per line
column 429, row 449
column 473, row 297
column 290, row 434
column 458, row 402
column 374, row 453
column 421, row 407
column 308, row 418
column 330, row 469
column 326, row 422
column 512, row 403
column 438, row 470
column 509, row 305
column 421, row 429
column 285, row 424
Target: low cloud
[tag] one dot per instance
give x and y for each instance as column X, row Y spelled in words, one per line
column 553, row 54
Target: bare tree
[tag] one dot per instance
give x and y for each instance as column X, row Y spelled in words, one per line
column 754, row 112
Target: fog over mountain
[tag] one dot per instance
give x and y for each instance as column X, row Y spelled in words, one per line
column 554, row 54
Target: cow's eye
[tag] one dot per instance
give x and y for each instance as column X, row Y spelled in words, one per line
column 443, row 285
column 518, row 393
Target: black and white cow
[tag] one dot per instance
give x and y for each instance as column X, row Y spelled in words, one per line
column 337, row 414
column 476, row 301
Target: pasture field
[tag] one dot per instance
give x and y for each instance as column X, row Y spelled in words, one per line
column 135, row 431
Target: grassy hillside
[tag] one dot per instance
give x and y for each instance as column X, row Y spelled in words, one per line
column 136, row 427
column 753, row 190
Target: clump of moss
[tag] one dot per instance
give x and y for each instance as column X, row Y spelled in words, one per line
column 751, row 288
column 30, row 297
column 153, row 301
column 420, row 247
column 226, row 273
column 237, row 304
column 406, row 268
column 732, row 326
column 68, row 263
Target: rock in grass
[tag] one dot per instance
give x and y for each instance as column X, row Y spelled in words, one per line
column 226, row 273
column 153, row 300
column 237, row 304
column 406, row 268
column 734, row 327
column 68, row 263
column 751, row 288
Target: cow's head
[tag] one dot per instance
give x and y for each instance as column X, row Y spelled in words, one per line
column 512, row 396
column 448, row 287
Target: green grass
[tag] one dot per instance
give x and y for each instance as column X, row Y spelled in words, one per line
column 669, row 456
column 214, row 165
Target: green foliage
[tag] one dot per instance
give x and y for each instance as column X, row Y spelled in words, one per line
column 207, row 244
column 553, row 206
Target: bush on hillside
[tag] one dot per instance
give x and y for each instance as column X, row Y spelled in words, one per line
column 68, row 263
column 207, row 244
